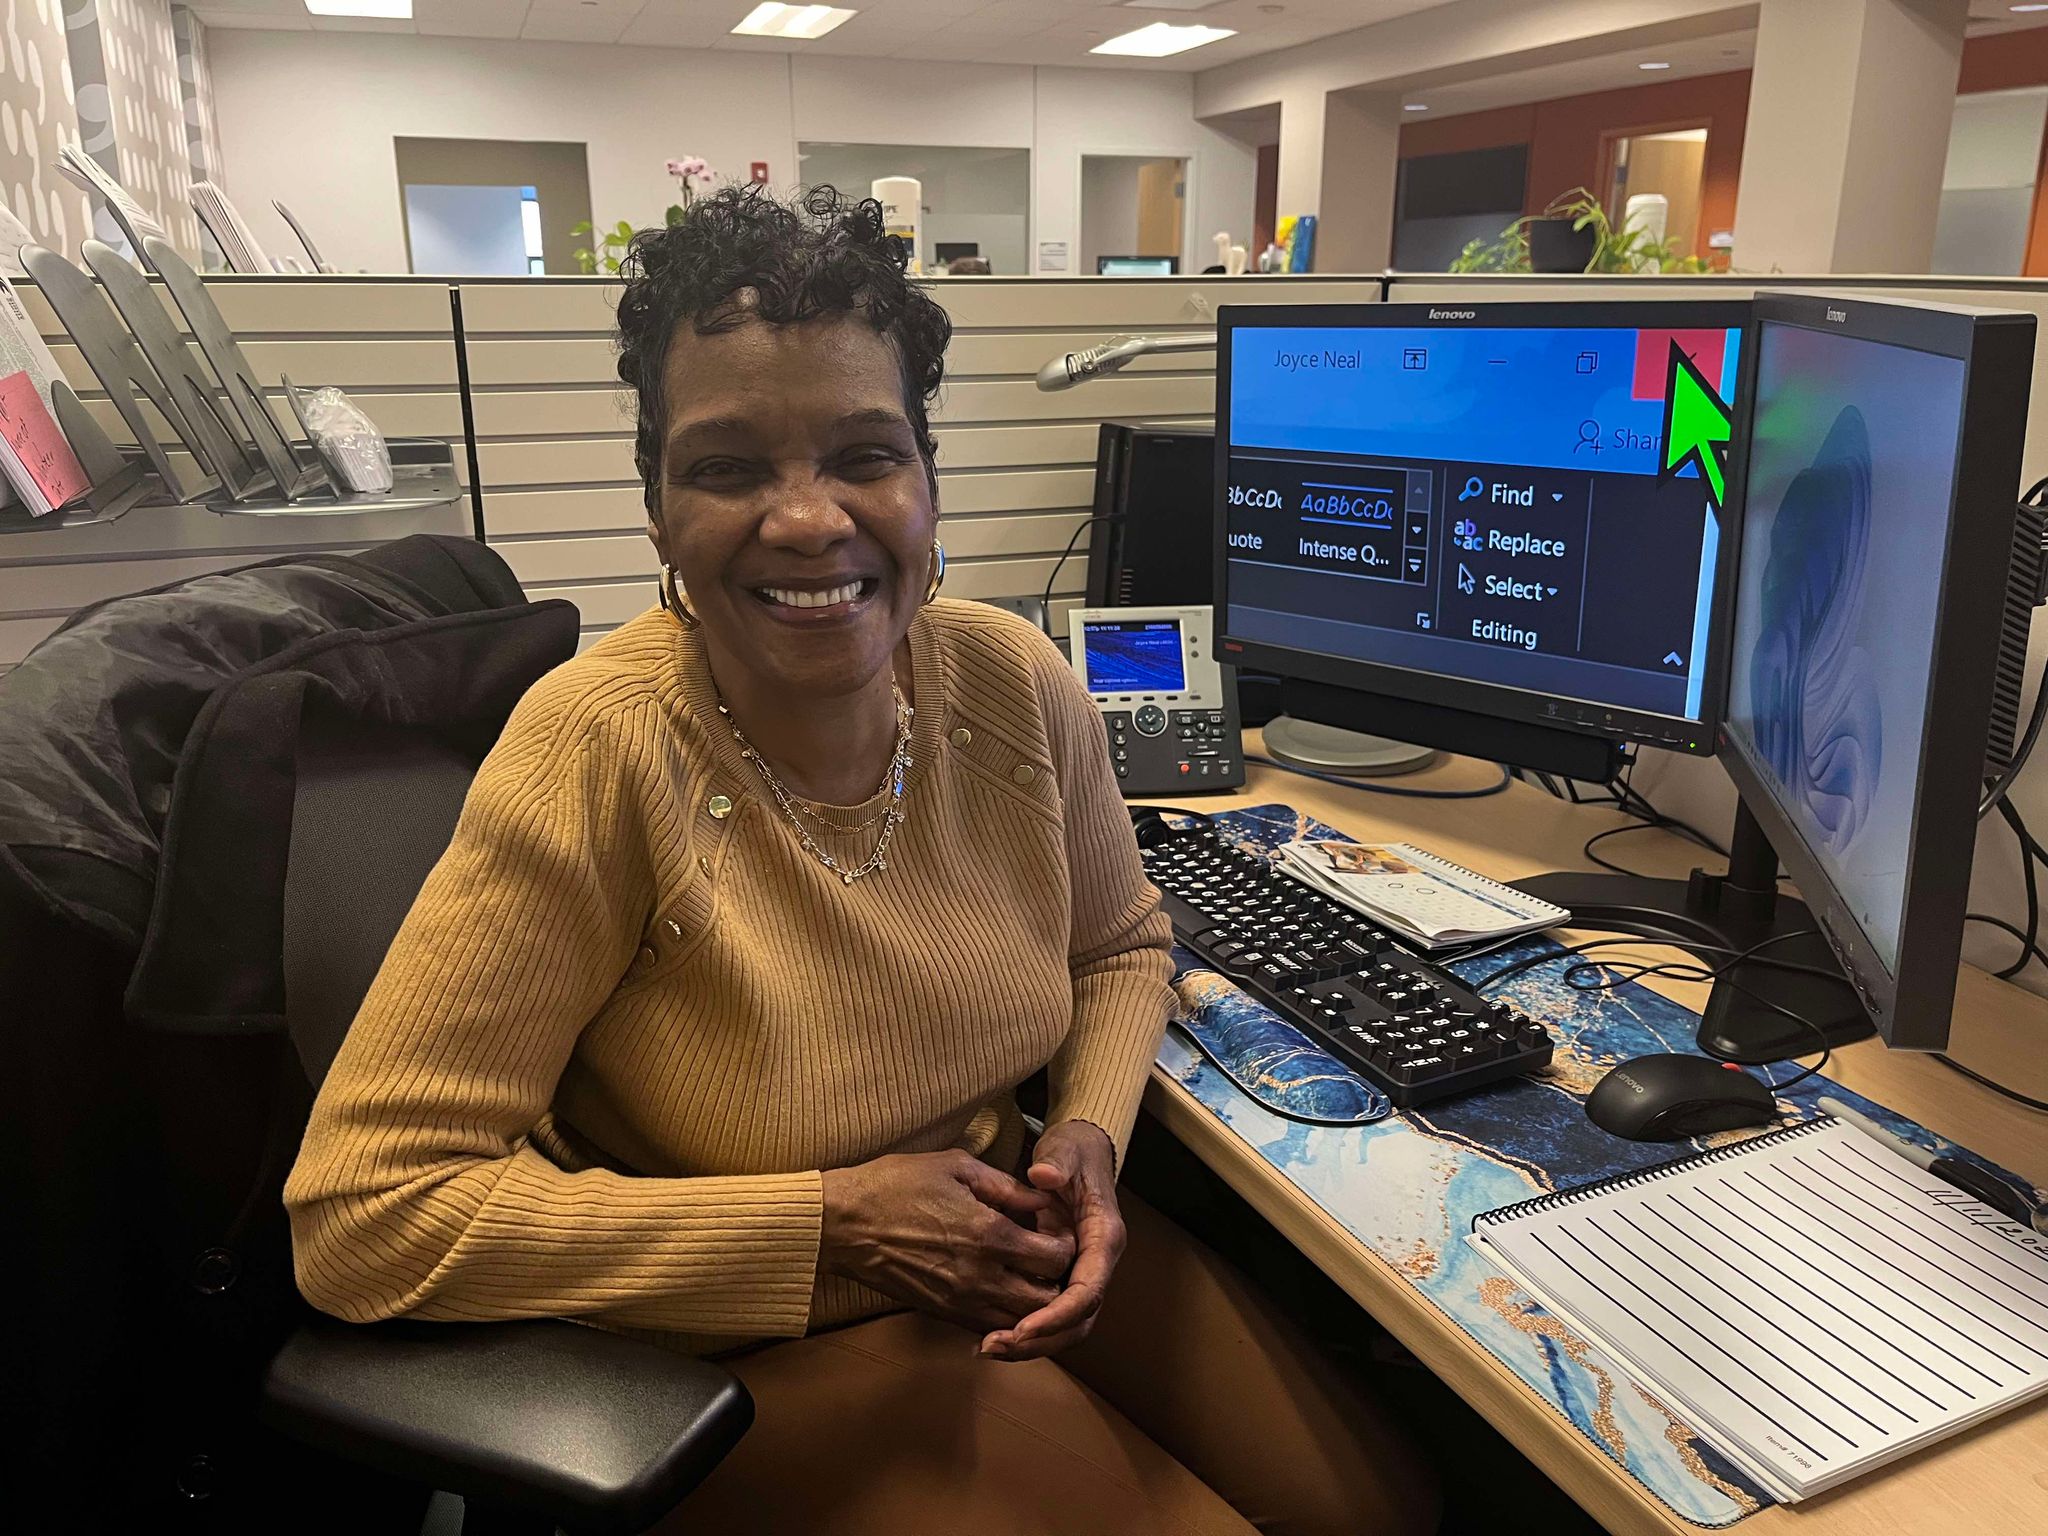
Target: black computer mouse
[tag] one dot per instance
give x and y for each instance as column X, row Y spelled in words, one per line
column 1670, row 1097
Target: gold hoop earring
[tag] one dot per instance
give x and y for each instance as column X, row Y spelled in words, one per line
column 670, row 593
column 938, row 570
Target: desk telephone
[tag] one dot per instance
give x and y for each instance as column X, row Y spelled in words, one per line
column 1169, row 709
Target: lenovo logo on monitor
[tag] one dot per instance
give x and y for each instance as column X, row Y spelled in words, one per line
column 1454, row 314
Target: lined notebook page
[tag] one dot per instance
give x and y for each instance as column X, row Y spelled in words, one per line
column 1811, row 1302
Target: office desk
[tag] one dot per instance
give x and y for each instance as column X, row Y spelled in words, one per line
column 1992, row 1479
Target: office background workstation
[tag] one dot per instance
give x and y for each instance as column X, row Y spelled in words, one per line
column 555, row 493
column 524, row 369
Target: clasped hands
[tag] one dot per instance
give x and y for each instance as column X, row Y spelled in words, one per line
column 1023, row 1262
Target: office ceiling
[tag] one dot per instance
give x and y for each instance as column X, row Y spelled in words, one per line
column 959, row 31
column 1687, row 57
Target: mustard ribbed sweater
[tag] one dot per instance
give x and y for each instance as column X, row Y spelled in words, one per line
column 629, row 1019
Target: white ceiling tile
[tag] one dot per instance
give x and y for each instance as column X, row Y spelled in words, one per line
column 469, row 18
column 579, row 21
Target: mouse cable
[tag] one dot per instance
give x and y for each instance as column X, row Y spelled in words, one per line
column 1679, row 970
column 1371, row 788
column 1999, row 1088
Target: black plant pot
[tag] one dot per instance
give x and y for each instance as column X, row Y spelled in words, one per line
column 1554, row 246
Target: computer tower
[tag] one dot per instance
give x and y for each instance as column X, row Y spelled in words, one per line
column 1153, row 481
column 1155, row 485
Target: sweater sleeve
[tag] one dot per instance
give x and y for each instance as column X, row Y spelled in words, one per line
column 1119, row 941
column 418, row 1190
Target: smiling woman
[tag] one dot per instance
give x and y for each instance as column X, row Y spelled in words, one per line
column 710, row 1021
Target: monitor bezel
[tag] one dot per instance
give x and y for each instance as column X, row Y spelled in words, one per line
column 1674, row 733
column 1910, row 1003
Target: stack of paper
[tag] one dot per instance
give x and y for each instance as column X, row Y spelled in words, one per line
column 1425, row 899
column 75, row 163
column 22, row 351
column 34, row 457
column 238, row 246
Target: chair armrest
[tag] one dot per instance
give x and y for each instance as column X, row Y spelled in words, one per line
column 601, row 1433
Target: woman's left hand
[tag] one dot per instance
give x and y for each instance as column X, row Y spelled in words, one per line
column 1075, row 1163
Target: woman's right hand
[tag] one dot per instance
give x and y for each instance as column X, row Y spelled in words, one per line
column 944, row 1232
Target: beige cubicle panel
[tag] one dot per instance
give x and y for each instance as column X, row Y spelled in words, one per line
column 389, row 343
column 562, row 503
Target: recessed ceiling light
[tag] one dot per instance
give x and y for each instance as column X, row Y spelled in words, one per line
column 798, row 21
column 2027, row 7
column 383, row 10
column 1162, row 39
column 1654, row 64
column 1415, row 106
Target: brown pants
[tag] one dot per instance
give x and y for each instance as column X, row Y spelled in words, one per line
column 1229, row 1422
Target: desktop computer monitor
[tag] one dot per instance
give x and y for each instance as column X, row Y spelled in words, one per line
column 1493, row 528
column 1137, row 266
column 1878, row 627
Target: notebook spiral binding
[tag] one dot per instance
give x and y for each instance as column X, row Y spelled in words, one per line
column 1654, row 1171
column 1473, row 875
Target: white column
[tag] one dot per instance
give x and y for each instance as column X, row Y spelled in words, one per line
column 1340, row 153
column 1849, row 110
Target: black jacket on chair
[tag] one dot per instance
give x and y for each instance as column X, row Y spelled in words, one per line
column 151, row 757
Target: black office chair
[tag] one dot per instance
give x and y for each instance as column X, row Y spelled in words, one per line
column 163, row 1372
column 535, row 1424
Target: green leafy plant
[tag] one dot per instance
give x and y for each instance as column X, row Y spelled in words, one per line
column 1624, row 250
column 609, row 248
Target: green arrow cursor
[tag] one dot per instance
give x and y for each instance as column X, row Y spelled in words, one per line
column 1697, row 425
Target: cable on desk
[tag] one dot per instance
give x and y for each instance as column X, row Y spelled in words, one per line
column 1998, row 1088
column 1619, row 972
column 1386, row 789
column 2030, row 852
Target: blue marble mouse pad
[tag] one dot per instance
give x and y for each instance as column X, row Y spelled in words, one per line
column 1407, row 1186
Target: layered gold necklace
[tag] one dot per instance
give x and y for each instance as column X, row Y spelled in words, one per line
column 795, row 810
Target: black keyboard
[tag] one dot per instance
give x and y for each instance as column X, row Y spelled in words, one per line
column 1413, row 1031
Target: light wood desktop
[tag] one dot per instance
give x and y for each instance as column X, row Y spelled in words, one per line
column 1992, row 1479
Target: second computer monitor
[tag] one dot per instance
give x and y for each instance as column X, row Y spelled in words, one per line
column 1137, row 266
column 1499, row 511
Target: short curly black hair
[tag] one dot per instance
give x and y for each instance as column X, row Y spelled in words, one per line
column 819, row 254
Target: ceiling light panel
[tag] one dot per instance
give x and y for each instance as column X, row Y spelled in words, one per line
column 1162, row 40
column 382, row 10
column 801, row 22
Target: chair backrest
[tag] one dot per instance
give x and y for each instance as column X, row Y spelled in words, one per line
column 373, row 809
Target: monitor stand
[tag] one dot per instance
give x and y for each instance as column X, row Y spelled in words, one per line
column 1330, row 749
column 1745, row 1018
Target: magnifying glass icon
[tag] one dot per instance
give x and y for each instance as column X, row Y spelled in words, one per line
column 1473, row 487
column 1589, row 436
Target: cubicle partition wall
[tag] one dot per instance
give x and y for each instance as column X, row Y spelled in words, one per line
column 389, row 343
column 554, row 429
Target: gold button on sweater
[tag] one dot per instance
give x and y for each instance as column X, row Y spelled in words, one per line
column 629, row 1018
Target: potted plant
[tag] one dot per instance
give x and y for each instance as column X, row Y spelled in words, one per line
column 1574, row 234
column 693, row 177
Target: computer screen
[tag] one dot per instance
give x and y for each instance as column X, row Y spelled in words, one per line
column 1851, row 459
column 1476, row 507
column 1878, row 637
column 1137, row 266
column 1133, row 656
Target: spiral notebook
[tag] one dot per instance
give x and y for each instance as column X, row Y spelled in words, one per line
column 1426, row 899
column 1810, row 1301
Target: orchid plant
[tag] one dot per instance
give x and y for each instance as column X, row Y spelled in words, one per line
column 694, row 177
